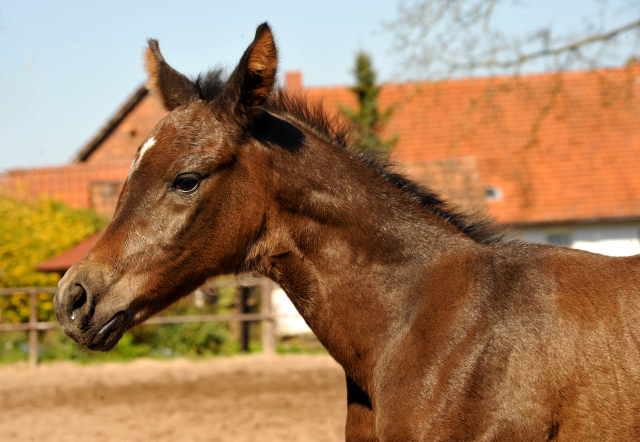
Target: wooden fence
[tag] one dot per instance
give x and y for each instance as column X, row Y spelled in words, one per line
column 266, row 317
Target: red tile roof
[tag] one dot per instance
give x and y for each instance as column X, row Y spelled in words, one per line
column 69, row 257
column 560, row 148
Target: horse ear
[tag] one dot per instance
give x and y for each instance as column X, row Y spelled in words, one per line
column 173, row 88
column 253, row 79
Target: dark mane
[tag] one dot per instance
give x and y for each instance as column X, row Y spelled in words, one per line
column 210, row 85
column 332, row 129
column 335, row 130
column 481, row 229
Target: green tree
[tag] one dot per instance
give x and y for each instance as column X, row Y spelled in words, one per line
column 31, row 233
column 367, row 118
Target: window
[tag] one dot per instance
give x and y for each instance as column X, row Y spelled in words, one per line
column 492, row 193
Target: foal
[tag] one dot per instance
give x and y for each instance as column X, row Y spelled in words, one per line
column 445, row 330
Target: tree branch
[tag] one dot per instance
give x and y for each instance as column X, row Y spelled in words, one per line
column 551, row 52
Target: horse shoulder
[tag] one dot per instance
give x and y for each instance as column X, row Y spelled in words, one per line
column 492, row 327
column 430, row 361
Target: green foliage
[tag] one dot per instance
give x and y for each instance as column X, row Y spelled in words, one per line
column 191, row 339
column 368, row 119
column 13, row 347
column 15, row 308
column 31, row 233
column 308, row 344
column 158, row 341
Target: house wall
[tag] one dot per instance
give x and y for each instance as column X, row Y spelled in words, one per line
column 607, row 238
column 83, row 185
column 289, row 322
column 123, row 142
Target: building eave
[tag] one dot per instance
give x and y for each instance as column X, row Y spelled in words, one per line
column 110, row 126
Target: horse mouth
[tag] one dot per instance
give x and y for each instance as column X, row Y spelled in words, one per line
column 110, row 333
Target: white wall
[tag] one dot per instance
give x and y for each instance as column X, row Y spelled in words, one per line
column 290, row 323
column 614, row 239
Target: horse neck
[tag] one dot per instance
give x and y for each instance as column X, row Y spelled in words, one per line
column 349, row 249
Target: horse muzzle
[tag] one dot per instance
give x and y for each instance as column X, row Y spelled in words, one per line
column 84, row 312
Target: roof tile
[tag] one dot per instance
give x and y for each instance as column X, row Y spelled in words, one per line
column 560, row 147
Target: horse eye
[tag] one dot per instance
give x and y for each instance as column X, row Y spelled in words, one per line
column 186, row 184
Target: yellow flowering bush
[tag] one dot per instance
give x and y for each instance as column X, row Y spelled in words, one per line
column 31, row 233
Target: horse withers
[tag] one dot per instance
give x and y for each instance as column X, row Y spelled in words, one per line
column 446, row 330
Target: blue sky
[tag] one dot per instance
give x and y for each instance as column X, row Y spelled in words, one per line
column 66, row 66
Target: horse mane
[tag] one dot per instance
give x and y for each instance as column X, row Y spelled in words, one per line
column 210, row 85
column 480, row 228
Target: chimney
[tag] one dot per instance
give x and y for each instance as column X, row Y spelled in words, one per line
column 293, row 80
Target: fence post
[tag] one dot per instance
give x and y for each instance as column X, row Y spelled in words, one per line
column 245, row 293
column 33, row 332
column 268, row 326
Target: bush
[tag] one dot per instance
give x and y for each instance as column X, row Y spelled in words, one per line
column 191, row 339
column 31, row 233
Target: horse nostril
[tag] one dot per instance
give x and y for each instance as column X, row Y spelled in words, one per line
column 80, row 301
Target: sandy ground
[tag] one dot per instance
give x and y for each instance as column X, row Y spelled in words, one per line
column 242, row 398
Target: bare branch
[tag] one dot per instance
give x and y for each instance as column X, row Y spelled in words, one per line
column 444, row 37
column 574, row 47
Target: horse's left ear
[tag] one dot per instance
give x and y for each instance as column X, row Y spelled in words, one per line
column 253, row 79
column 173, row 88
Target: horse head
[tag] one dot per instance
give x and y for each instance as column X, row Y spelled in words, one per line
column 190, row 205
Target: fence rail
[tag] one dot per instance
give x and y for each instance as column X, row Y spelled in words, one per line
column 265, row 317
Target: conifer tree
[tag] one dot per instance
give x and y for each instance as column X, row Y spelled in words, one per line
column 367, row 118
